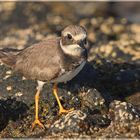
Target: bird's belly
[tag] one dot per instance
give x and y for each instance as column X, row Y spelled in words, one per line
column 69, row 75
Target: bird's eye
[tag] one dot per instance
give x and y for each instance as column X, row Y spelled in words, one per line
column 69, row 36
column 85, row 41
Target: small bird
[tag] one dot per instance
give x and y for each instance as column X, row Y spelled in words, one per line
column 54, row 60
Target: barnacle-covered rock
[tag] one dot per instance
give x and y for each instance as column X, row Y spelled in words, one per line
column 78, row 122
column 73, row 122
column 125, row 120
column 91, row 99
column 123, row 112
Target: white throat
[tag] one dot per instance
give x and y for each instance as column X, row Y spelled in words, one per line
column 74, row 49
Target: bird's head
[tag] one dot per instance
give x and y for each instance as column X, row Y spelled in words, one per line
column 74, row 41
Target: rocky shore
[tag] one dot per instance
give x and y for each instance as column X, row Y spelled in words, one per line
column 106, row 93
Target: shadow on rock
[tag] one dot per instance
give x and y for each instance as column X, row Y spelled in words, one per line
column 10, row 109
column 115, row 81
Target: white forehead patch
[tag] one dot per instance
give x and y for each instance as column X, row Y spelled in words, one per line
column 80, row 36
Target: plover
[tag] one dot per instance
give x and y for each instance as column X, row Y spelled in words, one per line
column 54, row 60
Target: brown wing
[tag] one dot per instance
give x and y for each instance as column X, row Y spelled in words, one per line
column 8, row 56
column 40, row 61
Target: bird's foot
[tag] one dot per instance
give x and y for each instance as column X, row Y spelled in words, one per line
column 36, row 121
column 62, row 110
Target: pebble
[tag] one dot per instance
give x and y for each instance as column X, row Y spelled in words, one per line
column 9, row 88
column 18, row 94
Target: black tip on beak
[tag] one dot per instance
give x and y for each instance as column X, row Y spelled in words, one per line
column 84, row 53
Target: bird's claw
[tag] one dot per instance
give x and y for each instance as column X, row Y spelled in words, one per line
column 62, row 110
column 37, row 122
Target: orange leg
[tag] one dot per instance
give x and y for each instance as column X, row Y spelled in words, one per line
column 61, row 109
column 37, row 121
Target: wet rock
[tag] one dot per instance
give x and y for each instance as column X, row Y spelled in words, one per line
column 3, row 116
column 134, row 99
column 126, row 76
column 73, row 122
column 91, row 99
column 91, row 117
column 88, row 75
column 123, row 112
column 78, row 122
column 125, row 120
column 11, row 109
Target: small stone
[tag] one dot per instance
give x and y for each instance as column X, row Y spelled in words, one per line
column 9, row 72
column 91, row 99
column 9, row 88
column 69, row 93
column 18, row 94
column 23, row 78
column 6, row 77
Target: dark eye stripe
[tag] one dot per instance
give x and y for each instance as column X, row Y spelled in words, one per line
column 66, row 41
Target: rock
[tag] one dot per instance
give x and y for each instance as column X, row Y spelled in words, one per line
column 73, row 122
column 125, row 120
column 126, row 76
column 88, row 75
column 89, row 119
column 91, row 99
column 11, row 109
column 3, row 116
column 78, row 123
column 123, row 112
column 134, row 99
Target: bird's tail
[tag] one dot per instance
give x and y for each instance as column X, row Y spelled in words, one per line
column 8, row 56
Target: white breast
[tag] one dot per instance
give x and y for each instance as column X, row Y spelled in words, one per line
column 69, row 75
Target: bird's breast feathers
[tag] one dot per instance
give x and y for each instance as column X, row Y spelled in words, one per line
column 68, row 75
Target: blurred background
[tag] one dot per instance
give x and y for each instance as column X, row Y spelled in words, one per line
column 24, row 23
column 113, row 33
